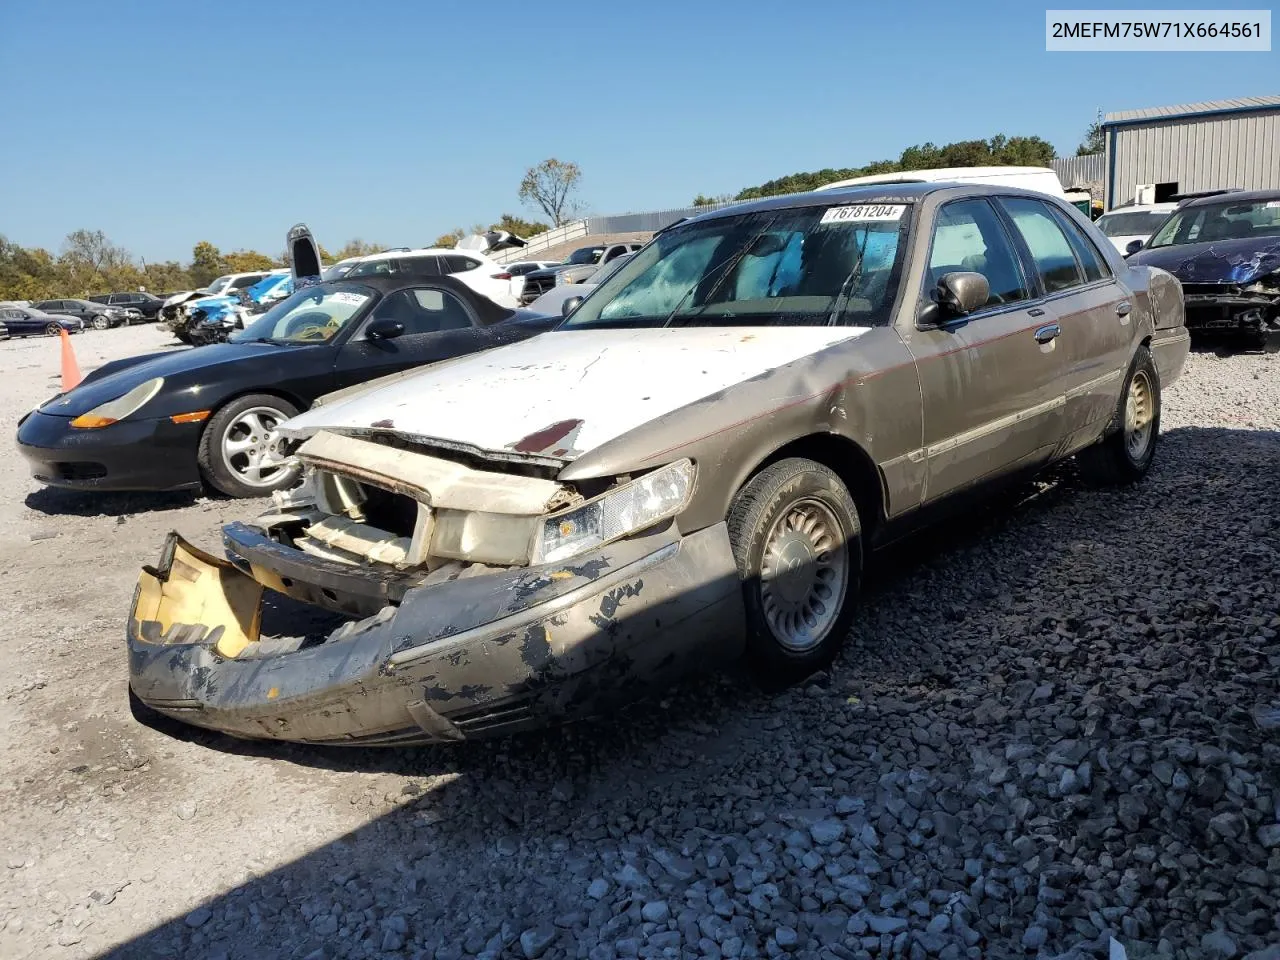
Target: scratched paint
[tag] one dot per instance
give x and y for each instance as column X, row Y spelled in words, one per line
column 607, row 382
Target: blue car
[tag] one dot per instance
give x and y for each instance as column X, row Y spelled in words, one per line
column 213, row 318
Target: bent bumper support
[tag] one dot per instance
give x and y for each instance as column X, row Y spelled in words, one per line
column 484, row 655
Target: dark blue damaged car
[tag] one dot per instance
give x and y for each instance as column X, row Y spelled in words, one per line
column 1225, row 250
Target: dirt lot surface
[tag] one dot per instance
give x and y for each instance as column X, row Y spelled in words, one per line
column 1043, row 733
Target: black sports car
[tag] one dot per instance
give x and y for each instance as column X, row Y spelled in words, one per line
column 1225, row 250
column 172, row 420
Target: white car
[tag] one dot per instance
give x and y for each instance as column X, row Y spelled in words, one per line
column 1041, row 179
column 552, row 302
column 476, row 270
column 1126, row 224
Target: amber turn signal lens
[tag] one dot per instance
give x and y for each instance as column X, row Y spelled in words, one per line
column 88, row 421
column 195, row 417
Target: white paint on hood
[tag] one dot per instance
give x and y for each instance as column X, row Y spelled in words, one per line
column 611, row 380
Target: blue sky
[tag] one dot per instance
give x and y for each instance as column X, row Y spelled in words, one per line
column 168, row 123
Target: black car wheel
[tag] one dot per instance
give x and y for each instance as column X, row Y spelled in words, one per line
column 240, row 453
column 53, row 329
column 100, row 323
column 796, row 538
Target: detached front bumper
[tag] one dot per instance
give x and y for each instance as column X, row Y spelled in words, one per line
column 477, row 656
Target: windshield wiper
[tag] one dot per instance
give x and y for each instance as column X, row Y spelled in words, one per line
column 842, row 297
column 727, row 266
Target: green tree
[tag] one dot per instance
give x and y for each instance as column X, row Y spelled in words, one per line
column 245, row 261
column 207, row 263
column 449, row 240
column 549, row 186
column 998, row 151
column 520, row 227
column 167, row 277
column 1094, row 138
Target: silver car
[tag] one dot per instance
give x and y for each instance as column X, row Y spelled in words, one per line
column 695, row 464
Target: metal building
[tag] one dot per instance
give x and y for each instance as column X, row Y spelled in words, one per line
column 1192, row 147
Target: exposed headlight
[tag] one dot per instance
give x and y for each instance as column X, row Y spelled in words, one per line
column 622, row 511
column 561, row 279
column 115, row 410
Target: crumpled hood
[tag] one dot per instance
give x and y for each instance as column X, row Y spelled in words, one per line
column 562, row 394
column 1216, row 261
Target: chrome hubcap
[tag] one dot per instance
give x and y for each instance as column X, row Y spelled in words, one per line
column 1139, row 416
column 804, row 575
column 253, row 451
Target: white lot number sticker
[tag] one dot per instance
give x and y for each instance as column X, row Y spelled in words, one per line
column 864, row 213
column 354, row 299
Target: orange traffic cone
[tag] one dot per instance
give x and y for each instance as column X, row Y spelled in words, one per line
column 70, row 369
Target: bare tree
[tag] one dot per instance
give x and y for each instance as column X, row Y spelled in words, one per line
column 548, row 186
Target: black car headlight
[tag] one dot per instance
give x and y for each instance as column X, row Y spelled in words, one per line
column 116, row 410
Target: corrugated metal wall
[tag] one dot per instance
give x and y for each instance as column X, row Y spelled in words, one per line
column 1197, row 153
column 1074, row 171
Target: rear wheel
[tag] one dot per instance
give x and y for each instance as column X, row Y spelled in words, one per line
column 796, row 537
column 1125, row 455
column 100, row 323
column 241, row 455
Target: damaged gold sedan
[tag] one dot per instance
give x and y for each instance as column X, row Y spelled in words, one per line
column 694, row 464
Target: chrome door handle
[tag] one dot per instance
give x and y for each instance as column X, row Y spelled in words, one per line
column 1123, row 308
column 1048, row 332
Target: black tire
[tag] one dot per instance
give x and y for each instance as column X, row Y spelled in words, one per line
column 182, row 336
column 1119, row 458
column 760, row 520
column 221, row 474
column 53, row 329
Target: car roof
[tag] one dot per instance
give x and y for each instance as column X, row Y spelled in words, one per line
column 488, row 311
column 1233, row 196
column 423, row 252
column 1142, row 208
column 871, row 193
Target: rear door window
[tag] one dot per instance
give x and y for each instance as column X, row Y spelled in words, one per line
column 1091, row 261
column 1050, row 249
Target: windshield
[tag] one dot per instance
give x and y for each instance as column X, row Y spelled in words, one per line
column 586, row 255
column 810, row 266
column 609, row 269
column 1220, row 221
column 1136, row 223
column 217, row 286
column 312, row 315
column 337, row 271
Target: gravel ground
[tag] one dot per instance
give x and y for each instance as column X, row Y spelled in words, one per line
column 1041, row 735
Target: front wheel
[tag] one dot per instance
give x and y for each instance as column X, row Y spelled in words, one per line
column 796, row 538
column 100, row 323
column 241, row 455
column 53, row 329
column 1125, row 454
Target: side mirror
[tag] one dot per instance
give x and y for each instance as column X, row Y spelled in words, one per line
column 384, row 329
column 959, row 294
column 1132, row 247
column 569, row 305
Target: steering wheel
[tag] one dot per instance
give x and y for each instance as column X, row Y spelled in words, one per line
column 314, row 325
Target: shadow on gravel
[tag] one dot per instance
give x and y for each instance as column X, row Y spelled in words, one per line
column 74, row 503
column 935, row 683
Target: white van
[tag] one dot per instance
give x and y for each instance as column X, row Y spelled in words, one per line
column 1042, row 179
